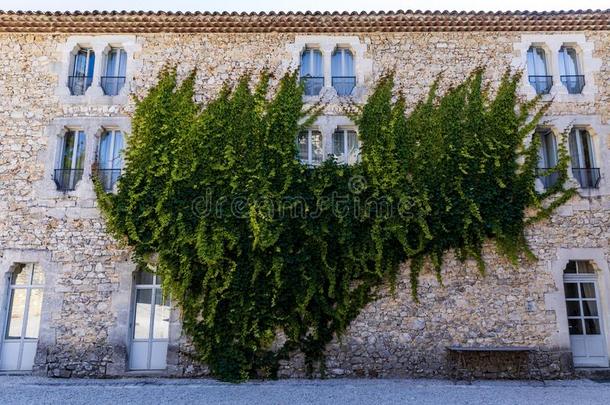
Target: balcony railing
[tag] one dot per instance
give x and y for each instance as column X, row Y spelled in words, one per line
column 548, row 179
column 108, row 177
column 344, row 84
column 79, row 84
column 66, row 179
column 312, row 85
column 574, row 83
column 587, row 177
column 112, row 85
column 542, row 84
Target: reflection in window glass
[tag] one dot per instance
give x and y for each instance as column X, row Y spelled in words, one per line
column 38, row 277
column 16, row 312
column 142, row 314
column 161, row 322
column 34, row 311
column 22, row 275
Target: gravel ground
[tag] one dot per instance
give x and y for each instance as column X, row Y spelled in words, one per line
column 36, row 390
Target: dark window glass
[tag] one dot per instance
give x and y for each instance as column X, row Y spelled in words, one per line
column 571, row 290
column 592, row 326
column 573, row 308
column 587, row 290
column 575, row 326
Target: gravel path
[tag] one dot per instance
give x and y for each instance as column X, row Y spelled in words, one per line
column 35, row 390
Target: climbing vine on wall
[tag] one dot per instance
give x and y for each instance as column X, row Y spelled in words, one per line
column 265, row 255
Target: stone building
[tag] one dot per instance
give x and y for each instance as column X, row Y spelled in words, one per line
column 72, row 301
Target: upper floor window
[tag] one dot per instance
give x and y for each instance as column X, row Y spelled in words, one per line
column 71, row 162
column 583, row 159
column 81, row 75
column 343, row 75
column 345, row 146
column 547, row 157
column 113, row 79
column 310, row 147
column 110, row 159
column 569, row 70
column 312, row 71
column 538, row 70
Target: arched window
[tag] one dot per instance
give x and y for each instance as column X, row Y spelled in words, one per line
column 110, row 159
column 569, row 70
column 312, row 71
column 538, row 72
column 582, row 154
column 343, row 75
column 547, row 156
column 114, row 74
column 81, row 77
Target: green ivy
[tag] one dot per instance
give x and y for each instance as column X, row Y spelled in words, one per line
column 252, row 244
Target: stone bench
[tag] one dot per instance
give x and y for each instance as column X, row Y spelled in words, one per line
column 490, row 362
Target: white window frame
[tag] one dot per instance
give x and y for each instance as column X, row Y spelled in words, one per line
column 309, row 161
column 345, row 132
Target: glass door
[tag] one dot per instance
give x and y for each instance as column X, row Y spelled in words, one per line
column 22, row 323
column 149, row 324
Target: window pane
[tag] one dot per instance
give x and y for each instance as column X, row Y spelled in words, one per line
column 16, row 312
column 571, row 290
column 68, row 152
column 573, row 308
column 587, row 290
column 38, row 278
column 144, row 277
column 306, row 63
column 339, row 145
column 570, row 61
column 161, row 325
column 302, row 143
column 80, row 151
column 575, row 326
column 589, row 308
column 112, row 61
column 22, row 275
column 570, row 267
column 34, row 311
column 316, row 147
column 352, row 147
column 142, row 316
column 122, row 62
column 592, row 327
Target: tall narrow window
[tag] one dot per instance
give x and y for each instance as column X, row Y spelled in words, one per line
column 569, row 70
column 71, row 160
column 310, row 147
column 537, row 69
column 110, row 159
column 345, row 146
column 83, row 63
column 114, row 74
column 547, row 157
column 583, row 159
column 23, row 318
column 312, row 71
column 343, row 75
column 149, row 324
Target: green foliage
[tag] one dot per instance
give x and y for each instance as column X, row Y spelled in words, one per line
column 252, row 244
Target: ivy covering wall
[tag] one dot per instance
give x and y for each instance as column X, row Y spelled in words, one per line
column 253, row 245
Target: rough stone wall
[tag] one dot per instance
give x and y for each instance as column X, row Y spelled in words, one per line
column 86, row 333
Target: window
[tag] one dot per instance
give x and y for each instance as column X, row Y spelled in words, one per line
column 569, row 70
column 71, row 160
column 23, row 317
column 343, row 76
column 83, row 63
column 345, row 146
column 547, row 157
column 150, row 323
column 583, row 159
column 537, row 68
column 312, row 71
column 310, row 147
column 114, row 74
column 110, row 159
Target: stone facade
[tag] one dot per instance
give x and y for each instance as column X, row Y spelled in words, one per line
column 85, row 320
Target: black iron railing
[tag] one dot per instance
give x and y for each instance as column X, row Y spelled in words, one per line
column 313, row 85
column 112, row 85
column 344, row 84
column 548, row 179
column 108, row 177
column 588, row 177
column 574, row 83
column 542, row 84
column 79, row 84
column 66, row 179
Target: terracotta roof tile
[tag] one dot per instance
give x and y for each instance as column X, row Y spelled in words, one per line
column 209, row 22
